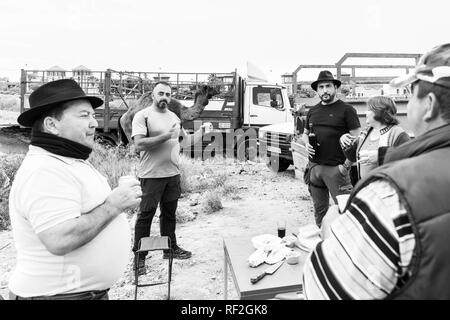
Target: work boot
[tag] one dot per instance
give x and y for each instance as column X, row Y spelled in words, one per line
column 178, row 253
column 141, row 267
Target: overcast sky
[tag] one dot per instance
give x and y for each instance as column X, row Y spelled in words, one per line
column 211, row 35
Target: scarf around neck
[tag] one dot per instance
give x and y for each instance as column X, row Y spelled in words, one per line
column 60, row 146
column 434, row 139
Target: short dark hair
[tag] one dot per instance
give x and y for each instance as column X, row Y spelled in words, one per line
column 56, row 112
column 384, row 109
column 442, row 95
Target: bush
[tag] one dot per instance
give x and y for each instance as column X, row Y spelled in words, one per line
column 197, row 176
column 212, row 202
column 229, row 190
column 8, row 168
column 9, row 102
column 114, row 162
column 200, row 176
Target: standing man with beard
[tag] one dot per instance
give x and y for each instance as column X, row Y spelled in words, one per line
column 156, row 131
column 328, row 168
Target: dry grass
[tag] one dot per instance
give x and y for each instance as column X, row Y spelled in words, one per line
column 196, row 176
column 212, row 202
column 208, row 179
column 114, row 162
column 9, row 102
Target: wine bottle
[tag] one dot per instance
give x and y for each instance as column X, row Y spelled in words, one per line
column 313, row 141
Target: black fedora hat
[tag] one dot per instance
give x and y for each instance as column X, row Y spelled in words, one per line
column 325, row 75
column 52, row 95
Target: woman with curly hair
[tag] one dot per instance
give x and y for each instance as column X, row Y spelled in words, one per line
column 382, row 130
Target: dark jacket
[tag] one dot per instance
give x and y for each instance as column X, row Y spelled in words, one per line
column 420, row 172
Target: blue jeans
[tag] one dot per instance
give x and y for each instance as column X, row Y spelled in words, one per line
column 326, row 180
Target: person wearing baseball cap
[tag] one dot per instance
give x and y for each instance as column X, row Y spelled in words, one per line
column 71, row 235
column 391, row 241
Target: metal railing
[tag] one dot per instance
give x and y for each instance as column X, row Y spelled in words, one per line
column 112, row 85
column 353, row 80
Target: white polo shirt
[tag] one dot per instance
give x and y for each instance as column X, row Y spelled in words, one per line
column 49, row 189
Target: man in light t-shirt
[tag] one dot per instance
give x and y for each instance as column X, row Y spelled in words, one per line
column 156, row 131
column 70, row 233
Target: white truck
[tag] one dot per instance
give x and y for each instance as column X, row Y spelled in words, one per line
column 237, row 117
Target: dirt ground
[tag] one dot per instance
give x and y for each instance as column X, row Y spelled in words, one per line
column 264, row 196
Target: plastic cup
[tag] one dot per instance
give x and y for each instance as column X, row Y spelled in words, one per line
column 292, row 259
column 127, row 180
column 281, row 228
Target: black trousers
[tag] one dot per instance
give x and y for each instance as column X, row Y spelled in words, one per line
column 162, row 191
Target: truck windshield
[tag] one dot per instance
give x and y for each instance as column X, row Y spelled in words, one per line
column 268, row 97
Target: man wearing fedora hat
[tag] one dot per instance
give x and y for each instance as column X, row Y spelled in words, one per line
column 391, row 241
column 71, row 236
column 328, row 168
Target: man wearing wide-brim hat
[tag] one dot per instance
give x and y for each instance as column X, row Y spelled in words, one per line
column 71, row 236
column 328, row 170
column 392, row 240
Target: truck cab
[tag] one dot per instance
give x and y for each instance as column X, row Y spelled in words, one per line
column 265, row 104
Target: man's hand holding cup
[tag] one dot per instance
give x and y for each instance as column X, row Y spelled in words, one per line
column 127, row 195
column 173, row 132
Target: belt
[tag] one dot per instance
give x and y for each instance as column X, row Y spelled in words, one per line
column 84, row 295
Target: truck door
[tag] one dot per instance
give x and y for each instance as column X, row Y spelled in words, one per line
column 265, row 105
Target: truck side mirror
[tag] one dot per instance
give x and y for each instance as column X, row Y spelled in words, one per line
column 277, row 105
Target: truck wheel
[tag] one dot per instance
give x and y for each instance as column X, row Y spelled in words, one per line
column 277, row 164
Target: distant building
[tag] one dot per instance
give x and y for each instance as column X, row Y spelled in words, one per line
column 86, row 79
column 55, row 73
column 81, row 71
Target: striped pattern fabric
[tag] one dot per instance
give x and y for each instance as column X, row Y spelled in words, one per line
column 368, row 251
